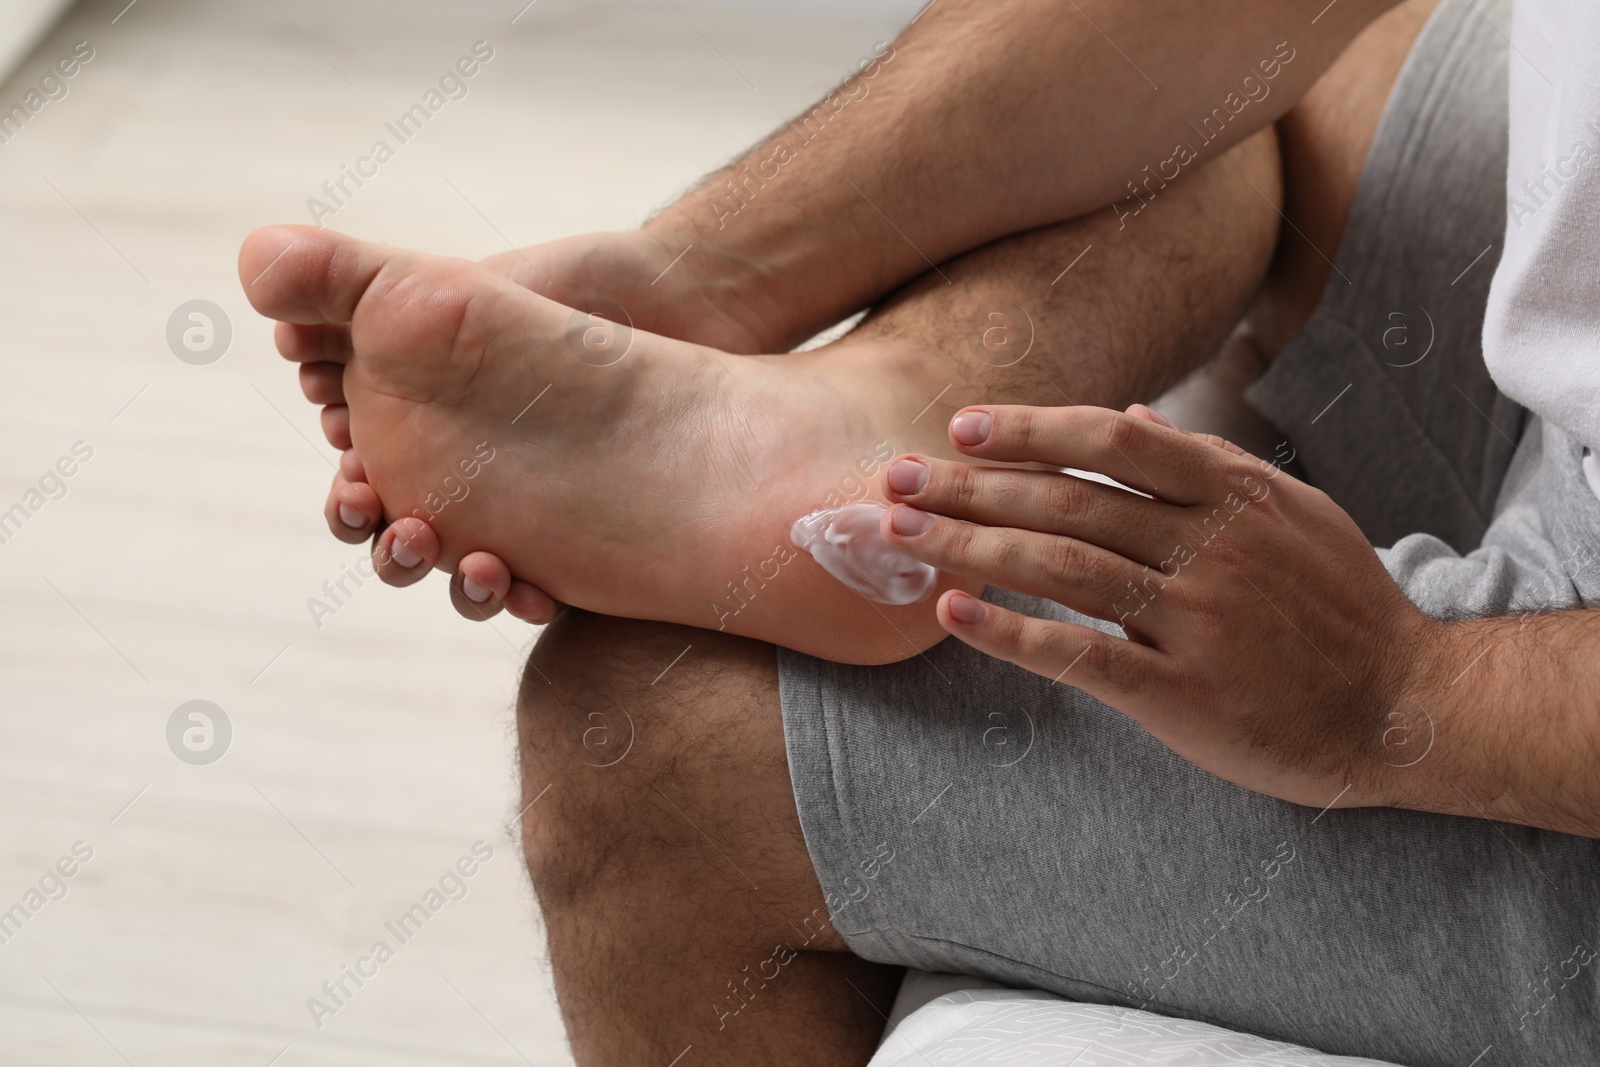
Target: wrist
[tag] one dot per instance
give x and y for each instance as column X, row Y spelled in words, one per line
column 1419, row 734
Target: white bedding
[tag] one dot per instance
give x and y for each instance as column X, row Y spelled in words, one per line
column 943, row 1021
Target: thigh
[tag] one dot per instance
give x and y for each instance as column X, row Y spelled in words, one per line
column 1033, row 836
column 1384, row 394
column 1324, row 142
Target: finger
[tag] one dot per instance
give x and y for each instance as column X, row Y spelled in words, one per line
column 352, row 510
column 531, row 604
column 1044, row 501
column 308, row 275
column 1082, row 576
column 322, row 383
column 351, row 467
column 328, row 343
column 1149, row 414
column 480, row 585
column 1136, row 452
column 1106, row 667
column 336, row 425
column 405, row 552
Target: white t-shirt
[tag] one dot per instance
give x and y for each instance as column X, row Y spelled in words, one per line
column 1541, row 337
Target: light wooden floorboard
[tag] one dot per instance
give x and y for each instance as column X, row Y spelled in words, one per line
column 372, row 751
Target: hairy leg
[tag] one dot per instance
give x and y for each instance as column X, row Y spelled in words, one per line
column 662, row 837
column 664, row 847
column 1324, row 143
column 1101, row 310
column 662, row 840
column 1105, row 309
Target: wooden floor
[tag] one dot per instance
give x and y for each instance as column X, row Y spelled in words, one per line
column 371, row 752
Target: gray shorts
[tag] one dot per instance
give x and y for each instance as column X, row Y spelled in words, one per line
column 967, row 816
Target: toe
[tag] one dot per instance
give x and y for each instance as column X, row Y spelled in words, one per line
column 313, row 344
column 406, row 552
column 306, row 275
column 531, row 604
column 351, row 467
column 336, row 425
column 352, row 510
column 479, row 588
column 322, row 383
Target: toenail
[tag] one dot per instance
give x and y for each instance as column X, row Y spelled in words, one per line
column 909, row 522
column 351, row 517
column 966, row 610
column 971, row 427
column 475, row 592
column 908, row 477
column 404, row 554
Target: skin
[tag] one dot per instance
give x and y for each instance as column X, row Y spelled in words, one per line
column 1231, row 571
column 605, row 840
column 602, row 841
column 922, row 144
column 616, row 840
column 1237, row 583
column 413, row 363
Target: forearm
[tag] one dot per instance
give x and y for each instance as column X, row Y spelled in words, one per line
column 1511, row 708
column 985, row 119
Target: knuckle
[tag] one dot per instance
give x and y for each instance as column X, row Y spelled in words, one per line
column 1098, row 654
column 1122, row 431
column 1065, row 557
column 958, row 539
column 961, row 486
column 1046, row 643
column 1064, row 496
column 1017, row 429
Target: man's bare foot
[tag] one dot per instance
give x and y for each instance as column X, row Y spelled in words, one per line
column 619, row 471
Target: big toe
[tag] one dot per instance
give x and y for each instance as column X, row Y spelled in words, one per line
column 306, row 275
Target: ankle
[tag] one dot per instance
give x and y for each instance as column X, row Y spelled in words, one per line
column 767, row 295
column 915, row 389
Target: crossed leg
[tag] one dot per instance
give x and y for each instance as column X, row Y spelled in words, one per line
column 683, row 914
column 662, row 840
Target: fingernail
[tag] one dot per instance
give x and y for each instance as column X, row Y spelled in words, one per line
column 351, row 517
column 1157, row 417
column 971, row 427
column 967, row 610
column 404, row 554
column 475, row 592
column 909, row 522
column 908, row 477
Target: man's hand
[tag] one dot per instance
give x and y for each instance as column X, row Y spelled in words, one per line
column 646, row 278
column 1266, row 642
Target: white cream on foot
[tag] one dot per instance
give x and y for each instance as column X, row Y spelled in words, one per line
column 847, row 543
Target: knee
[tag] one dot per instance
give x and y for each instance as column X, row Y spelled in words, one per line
column 610, row 713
